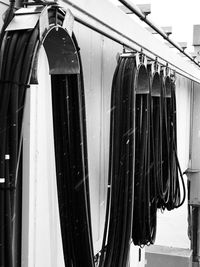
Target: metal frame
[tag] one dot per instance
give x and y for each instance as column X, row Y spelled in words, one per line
column 105, row 18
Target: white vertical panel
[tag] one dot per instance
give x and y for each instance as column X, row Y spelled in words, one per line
column 196, row 128
column 41, row 235
column 91, row 53
column 195, row 148
column 99, row 57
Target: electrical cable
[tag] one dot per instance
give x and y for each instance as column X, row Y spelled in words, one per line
column 165, row 154
column 145, row 202
column 18, row 53
column 118, row 219
column 13, row 83
column 175, row 200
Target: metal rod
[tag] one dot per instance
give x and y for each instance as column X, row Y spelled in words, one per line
column 137, row 12
column 3, row 3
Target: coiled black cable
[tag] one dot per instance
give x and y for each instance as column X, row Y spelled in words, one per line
column 169, row 185
column 163, row 198
column 175, row 200
column 19, row 52
column 13, row 81
column 145, row 202
column 118, row 222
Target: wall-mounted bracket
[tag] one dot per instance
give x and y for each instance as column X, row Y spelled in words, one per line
column 26, row 18
column 183, row 45
column 166, row 29
column 56, row 39
column 144, row 8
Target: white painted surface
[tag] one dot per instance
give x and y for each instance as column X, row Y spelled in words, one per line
column 41, row 229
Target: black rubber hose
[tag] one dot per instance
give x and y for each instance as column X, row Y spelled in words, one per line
column 118, row 220
column 20, row 47
column 12, row 67
column 165, row 154
column 72, row 169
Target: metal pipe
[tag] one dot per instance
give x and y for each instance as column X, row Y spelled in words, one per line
column 3, row 3
column 144, row 18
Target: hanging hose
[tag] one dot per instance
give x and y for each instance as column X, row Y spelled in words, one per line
column 164, row 184
column 14, row 76
column 145, row 202
column 169, row 186
column 118, row 222
column 175, row 200
column 71, row 169
column 19, row 52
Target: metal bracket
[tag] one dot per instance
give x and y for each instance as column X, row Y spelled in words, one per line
column 61, row 52
column 59, row 46
column 68, row 22
column 154, row 67
column 27, row 18
column 143, row 58
column 143, row 85
column 157, row 66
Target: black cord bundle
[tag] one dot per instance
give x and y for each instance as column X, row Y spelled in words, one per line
column 72, row 169
column 157, row 169
column 145, row 202
column 118, row 222
column 19, row 52
column 16, row 55
column 172, row 167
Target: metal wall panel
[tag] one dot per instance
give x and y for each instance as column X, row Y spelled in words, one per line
column 99, row 61
column 194, row 174
column 195, row 162
column 41, row 236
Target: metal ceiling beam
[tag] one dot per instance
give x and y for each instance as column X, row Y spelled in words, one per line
column 105, row 18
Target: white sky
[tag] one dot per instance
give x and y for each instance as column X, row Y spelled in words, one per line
column 180, row 14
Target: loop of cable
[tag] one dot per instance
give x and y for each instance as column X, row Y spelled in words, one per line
column 19, row 51
column 145, row 201
column 118, row 222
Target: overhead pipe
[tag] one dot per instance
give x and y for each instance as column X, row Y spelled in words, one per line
column 144, row 18
column 3, row 3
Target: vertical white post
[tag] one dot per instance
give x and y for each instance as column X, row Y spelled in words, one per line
column 41, row 236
